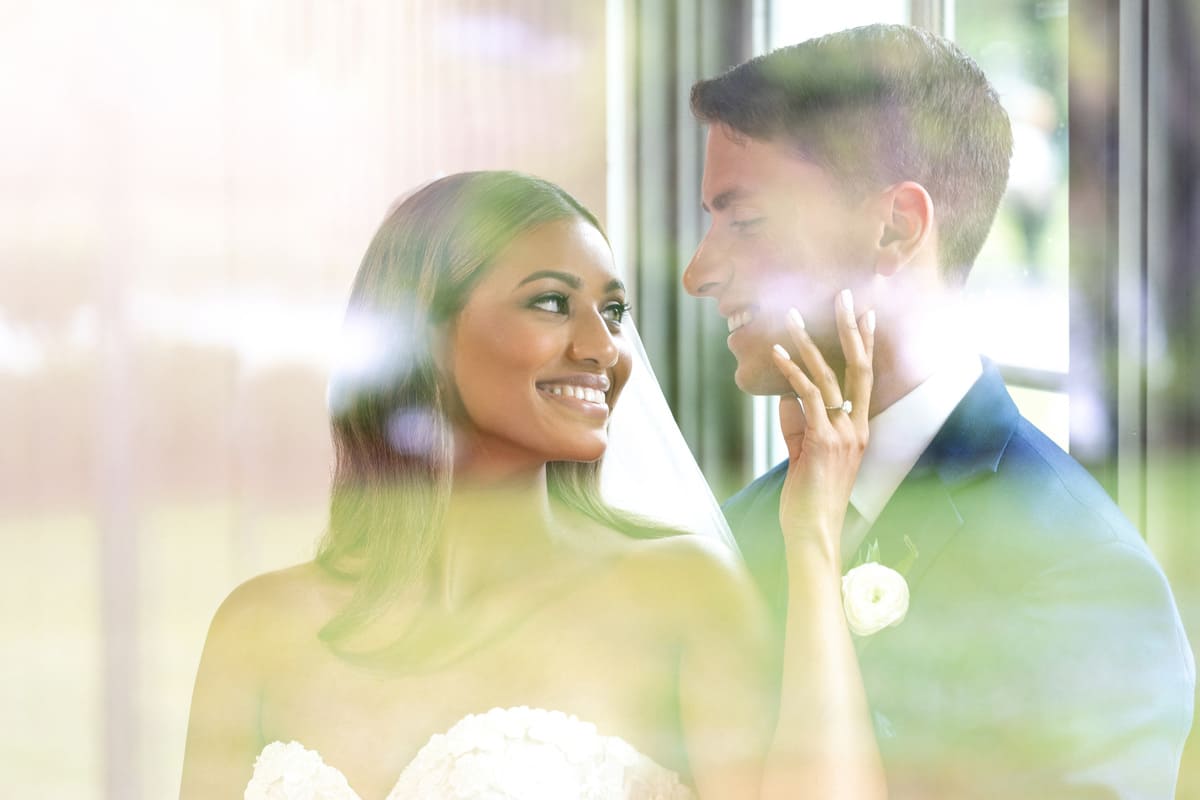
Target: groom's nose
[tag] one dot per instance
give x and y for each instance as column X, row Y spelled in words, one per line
column 708, row 270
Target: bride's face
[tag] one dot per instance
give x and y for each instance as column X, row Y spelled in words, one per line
column 537, row 354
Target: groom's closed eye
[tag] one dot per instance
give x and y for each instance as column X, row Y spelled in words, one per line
column 748, row 225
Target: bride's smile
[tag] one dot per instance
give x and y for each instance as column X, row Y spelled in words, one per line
column 585, row 393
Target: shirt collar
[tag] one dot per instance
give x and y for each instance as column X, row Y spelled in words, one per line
column 902, row 431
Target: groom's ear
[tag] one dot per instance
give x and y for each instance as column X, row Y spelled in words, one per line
column 905, row 224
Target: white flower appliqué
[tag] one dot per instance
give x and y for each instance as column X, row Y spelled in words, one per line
column 506, row 754
column 874, row 597
column 532, row 754
column 291, row 771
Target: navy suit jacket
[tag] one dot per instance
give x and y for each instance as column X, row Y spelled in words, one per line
column 1042, row 655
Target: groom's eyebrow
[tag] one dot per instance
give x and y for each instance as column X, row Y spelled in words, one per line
column 574, row 281
column 724, row 199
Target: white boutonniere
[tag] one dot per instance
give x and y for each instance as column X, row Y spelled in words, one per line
column 875, row 597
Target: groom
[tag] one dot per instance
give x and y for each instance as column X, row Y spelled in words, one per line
column 1042, row 655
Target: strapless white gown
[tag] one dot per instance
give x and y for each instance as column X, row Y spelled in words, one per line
column 505, row 754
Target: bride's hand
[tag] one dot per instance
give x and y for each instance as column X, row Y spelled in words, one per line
column 825, row 443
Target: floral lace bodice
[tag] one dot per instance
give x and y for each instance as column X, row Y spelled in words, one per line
column 505, row 754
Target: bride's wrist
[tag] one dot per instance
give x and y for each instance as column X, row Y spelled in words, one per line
column 814, row 576
column 813, row 555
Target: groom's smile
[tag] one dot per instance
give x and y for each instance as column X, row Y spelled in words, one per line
column 739, row 319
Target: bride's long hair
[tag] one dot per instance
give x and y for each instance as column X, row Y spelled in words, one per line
column 392, row 415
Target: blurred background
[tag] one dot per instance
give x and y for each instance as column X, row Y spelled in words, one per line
column 188, row 187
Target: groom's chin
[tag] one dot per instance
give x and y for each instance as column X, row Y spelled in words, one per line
column 757, row 379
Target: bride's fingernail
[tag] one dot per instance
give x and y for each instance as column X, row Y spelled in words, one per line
column 847, row 301
column 779, row 351
column 871, row 321
column 794, row 317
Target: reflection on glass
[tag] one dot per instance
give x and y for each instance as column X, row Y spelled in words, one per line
column 188, row 189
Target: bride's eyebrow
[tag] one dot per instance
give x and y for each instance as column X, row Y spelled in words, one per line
column 574, row 281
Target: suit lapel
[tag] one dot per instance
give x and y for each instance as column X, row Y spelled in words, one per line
column 761, row 540
column 922, row 517
column 917, row 523
column 966, row 448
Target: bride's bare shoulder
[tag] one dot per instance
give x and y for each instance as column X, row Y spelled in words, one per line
column 283, row 591
column 695, row 572
column 269, row 609
column 689, row 551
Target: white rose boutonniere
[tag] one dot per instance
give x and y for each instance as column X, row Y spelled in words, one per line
column 874, row 597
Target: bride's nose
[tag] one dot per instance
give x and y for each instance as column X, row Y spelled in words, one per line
column 592, row 341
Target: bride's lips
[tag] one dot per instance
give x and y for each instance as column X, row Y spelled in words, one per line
column 585, row 394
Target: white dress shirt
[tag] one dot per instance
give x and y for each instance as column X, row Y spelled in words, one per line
column 899, row 434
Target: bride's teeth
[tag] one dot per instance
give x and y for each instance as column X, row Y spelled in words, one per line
column 585, row 393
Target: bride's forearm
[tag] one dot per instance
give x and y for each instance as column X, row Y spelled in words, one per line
column 824, row 745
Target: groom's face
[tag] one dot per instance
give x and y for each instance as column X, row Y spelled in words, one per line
column 782, row 235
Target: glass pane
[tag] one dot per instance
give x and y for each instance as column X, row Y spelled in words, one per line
column 792, row 22
column 1018, row 289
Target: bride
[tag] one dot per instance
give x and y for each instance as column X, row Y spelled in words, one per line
column 479, row 621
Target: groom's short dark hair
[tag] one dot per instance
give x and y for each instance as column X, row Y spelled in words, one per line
column 875, row 106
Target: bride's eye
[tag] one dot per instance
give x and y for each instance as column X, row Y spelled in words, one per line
column 616, row 312
column 554, row 302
